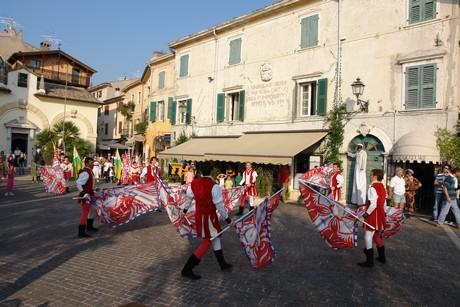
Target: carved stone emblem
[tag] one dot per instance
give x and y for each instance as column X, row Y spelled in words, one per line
column 364, row 129
column 266, row 72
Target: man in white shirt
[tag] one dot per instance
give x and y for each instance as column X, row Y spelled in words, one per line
column 397, row 189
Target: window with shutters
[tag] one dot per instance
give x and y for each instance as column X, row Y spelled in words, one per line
column 420, row 87
column 235, row 52
column 230, row 106
column 421, row 10
column 161, row 111
column 161, row 80
column 172, row 110
column 309, row 31
column 182, row 111
column 311, row 98
column 107, row 110
column 183, row 72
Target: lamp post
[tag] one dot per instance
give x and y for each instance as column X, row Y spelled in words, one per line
column 358, row 89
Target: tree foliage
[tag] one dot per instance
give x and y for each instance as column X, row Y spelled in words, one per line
column 335, row 120
column 449, row 144
column 264, row 181
column 68, row 133
column 183, row 137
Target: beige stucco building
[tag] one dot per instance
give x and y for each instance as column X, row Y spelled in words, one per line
column 276, row 70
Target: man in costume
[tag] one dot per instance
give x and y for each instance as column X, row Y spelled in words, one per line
column 285, row 177
column 374, row 216
column 86, row 187
column 67, row 168
column 336, row 183
column 149, row 171
column 208, row 198
column 250, row 190
column 359, row 183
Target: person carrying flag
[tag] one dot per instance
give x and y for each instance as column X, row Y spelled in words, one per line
column 208, row 198
column 86, row 187
column 336, row 183
column 375, row 217
column 249, row 182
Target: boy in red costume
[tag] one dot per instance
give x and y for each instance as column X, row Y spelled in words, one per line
column 336, row 183
column 250, row 189
column 374, row 216
column 86, row 187
column 208, row 198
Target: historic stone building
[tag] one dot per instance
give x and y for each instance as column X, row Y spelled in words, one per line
column 272, row 75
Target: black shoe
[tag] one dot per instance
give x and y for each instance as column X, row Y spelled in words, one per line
column 89, row 225
column 187, row 271
column 224, row 266
column 381, row 251
column 240, row 211
column 369, row 263
column 81, row 232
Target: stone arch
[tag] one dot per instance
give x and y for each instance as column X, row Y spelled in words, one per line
column 78, row 115
column 16, row 105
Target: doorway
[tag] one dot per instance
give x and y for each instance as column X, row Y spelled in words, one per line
column 19, row 140
column 374, row 149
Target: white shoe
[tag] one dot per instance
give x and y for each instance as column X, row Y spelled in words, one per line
column 6, row 194
column 11, row 194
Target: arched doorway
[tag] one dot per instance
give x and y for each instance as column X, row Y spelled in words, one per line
column 374, row 149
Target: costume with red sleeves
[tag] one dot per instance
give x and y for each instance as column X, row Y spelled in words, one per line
column 134, row 175
column 88, row 188
column 249, row 181
column 67, row 168
column 336, row 183
column 207, row 222
column 376, row 218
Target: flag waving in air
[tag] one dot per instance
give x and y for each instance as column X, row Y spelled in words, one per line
column 77, row 165
column 254, row 232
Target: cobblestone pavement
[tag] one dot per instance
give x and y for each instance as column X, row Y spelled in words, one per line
column 42, row 263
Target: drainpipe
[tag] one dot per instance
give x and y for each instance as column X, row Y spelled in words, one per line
column 339, row 53
column 214, row 90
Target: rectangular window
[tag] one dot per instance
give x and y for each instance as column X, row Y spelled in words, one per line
column 106, row 129
column 34, row 64
column 183, row 66
column 182, row 111
column 139, row 97
column 22, row 80
column 161, row 111
column 421, row 87
column 309, row 31
column 120, row 127
column 106, row 110
column 132, row 99
column 235, row 51
column 312, row 98
column 99, row 111
column 230, row 107
column 161, row 80
column 421, row 10
column 120, row 106
column 99, row 94
column 75, row 76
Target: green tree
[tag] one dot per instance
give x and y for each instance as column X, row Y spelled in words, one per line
column 264, row 181
column 69, row 133
column 449, row 144
column 335, row 120
column 183, row 137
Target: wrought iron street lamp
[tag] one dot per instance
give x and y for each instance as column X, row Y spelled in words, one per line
column 358, row 89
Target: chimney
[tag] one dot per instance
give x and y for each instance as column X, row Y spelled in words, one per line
column 45, row 46
column 157, row 54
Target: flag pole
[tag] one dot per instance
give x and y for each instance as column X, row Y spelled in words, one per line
column 228, row 227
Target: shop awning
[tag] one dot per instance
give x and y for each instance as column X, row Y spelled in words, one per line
column 195, row 148
column 416, row 146
column 267, row 147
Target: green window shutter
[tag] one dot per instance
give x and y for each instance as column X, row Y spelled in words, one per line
column 294, row 100
column 241, row 106
column 428, row 86
column 220, row 107
column 161, row 80
column 309, row 31
column 173, row 113
column 412, row 87
column 188, row 114
column 415, row 11
column 170, row 105
column 153, row 111
column 322, row 97
column 313, row 30
column 235, row 51
column 429, row 9
column 183, row 66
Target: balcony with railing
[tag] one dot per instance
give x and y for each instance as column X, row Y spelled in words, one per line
column 61, row 77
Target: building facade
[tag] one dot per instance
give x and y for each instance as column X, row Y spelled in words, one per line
column 282, row 68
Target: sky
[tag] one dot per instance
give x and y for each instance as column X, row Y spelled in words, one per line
column 117, row 38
